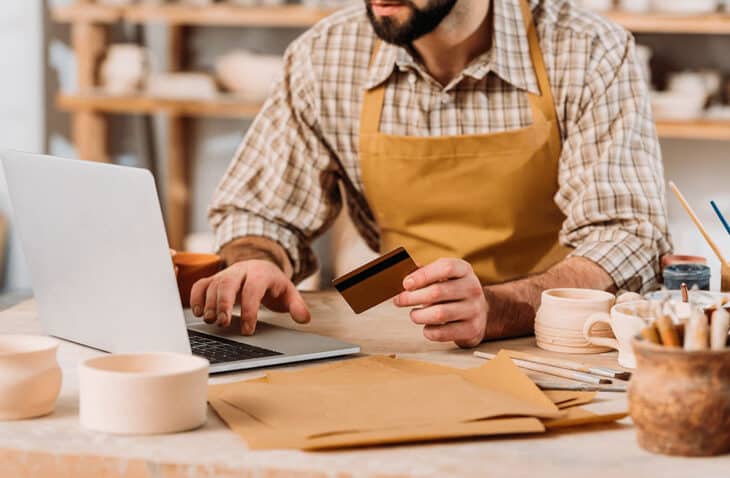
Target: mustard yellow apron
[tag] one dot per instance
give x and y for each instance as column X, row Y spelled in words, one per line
column 487, row 199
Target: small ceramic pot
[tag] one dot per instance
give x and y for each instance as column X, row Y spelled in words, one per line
column 680, row 401
column 143, row 394
column 563, row 313
column 191, row 267
column 30, row 378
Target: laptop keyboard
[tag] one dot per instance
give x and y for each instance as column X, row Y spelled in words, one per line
column 218, row 349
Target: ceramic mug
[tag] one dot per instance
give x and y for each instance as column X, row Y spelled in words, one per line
column 190, row 267
column 626, row 321
column 30, row 378
column 560, row 318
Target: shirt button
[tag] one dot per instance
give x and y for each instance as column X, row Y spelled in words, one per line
column 412, row 79
column 445, row 99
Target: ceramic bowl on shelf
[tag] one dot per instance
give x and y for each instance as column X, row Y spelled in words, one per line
column 635, row 6
column 691, row 7
column 143, row 394
column 30, row 378
column 678, row 105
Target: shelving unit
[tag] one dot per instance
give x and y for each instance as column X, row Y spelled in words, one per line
column 89, row 25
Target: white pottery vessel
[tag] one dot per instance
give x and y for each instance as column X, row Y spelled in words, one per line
column 142, row 394
column 30, row 378
column 124, row 68
column 248, row 75
column 562, row 314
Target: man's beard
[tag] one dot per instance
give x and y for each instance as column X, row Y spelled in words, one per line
column 420, row 22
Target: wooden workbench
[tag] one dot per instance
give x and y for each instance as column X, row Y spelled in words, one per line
column 57, row 446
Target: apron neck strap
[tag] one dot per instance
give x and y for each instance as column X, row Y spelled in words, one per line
column 544, row 102
column 372, row 104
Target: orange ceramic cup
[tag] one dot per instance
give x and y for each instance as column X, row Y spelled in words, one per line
column 191, row 267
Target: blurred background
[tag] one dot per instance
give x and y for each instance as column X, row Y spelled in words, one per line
column 172, row 86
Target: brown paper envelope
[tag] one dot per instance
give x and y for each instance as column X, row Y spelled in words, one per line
column 491, row 427
column 568, row 398
column 415, row 401
column 500, row 374
column 258, row 436
column 577, row 416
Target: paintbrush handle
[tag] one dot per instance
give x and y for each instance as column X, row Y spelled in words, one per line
column 697, row 222
column 558, row 372
column 566, row 364
column 720, row 216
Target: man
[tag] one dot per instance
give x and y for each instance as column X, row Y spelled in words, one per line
column 508, row 146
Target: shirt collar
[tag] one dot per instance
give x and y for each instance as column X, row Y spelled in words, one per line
column 509, row 58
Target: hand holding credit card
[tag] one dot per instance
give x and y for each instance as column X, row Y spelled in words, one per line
column 376, row 281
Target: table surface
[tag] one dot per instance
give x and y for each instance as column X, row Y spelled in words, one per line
column 56, row 445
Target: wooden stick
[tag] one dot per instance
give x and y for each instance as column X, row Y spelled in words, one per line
column 566, row 364
column 651, row 334
column 558, row 372
column 667, row 332
column 698, row 223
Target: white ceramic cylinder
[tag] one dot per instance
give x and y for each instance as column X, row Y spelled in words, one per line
column 30, row 378
column 142, row 394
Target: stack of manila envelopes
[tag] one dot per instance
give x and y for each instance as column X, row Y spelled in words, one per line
column 385, row 400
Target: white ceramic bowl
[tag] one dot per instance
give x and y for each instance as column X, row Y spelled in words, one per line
column 30, row 378
column 685, row 6
column 677, row 105
column 143, row 394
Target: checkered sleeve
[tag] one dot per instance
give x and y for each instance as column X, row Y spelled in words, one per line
column 281, row 184
column 611, row 175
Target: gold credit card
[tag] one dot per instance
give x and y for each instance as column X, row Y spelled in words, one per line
column 376, row 281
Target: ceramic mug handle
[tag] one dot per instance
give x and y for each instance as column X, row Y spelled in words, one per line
column 600, row 341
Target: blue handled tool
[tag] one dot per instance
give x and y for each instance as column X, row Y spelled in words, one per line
column 719, row 214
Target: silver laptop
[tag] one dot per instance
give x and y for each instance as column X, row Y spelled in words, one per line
column 95, row 244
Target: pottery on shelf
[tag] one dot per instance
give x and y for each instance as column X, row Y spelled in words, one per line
column 182, row 86
column 248, row 75
column 143, row 394
column 30, row 378
column 124, row 68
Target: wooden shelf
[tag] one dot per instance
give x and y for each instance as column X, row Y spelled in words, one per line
column 301, row 16
column 221, row 107
column 296, row 16
column 698, row 129
column 715, row 23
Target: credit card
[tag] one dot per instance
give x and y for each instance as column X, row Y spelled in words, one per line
column 376, row 281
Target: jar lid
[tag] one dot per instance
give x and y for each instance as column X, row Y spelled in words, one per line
column 687, row 271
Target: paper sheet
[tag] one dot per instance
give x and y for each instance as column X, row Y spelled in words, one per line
column 382, row 399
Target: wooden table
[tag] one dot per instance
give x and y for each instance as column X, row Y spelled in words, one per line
column 57, row 446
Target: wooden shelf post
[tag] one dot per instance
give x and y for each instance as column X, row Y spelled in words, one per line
column 177, row 179
column 89, row 127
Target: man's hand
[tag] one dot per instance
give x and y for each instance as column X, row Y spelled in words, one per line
column 450, row 300
column 252, row 283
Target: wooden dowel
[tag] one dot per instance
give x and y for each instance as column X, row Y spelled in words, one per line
column 558, row 372
column 697, row 222
column 667, row 332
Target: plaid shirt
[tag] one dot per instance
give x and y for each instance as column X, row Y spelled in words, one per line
column 283, row 181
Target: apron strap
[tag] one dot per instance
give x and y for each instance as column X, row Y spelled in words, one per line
column 543, row 103
column 372, row 102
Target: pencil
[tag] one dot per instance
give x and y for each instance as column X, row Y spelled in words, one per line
column 719, row 215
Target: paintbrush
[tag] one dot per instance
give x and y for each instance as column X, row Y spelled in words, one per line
column 558, row 372
column 569, row 365
column 720, row 216
column 698, row 223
